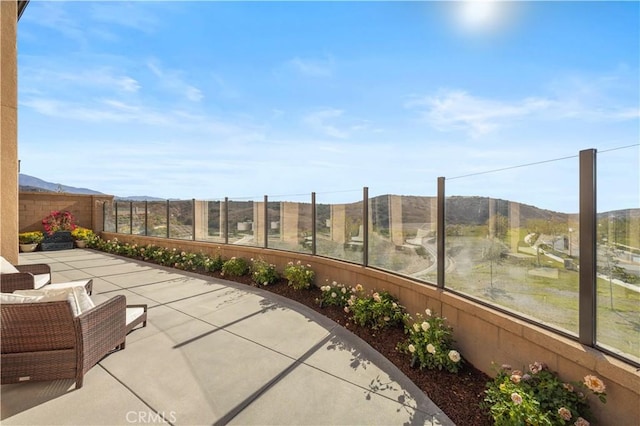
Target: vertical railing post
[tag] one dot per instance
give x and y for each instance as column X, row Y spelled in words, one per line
column 104, row 215
column 440, row 233
column 131, row 217
column 193, row 219
column 314, row 232
column 226, row 220
column 266, row 221
column 146, row 218
column 365, row 226
column 116, row 216
column 168, row 216
column 588, row 248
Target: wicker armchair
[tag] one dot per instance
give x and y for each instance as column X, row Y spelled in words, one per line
column 25, row 279
column 33, row 277
column 44, row 341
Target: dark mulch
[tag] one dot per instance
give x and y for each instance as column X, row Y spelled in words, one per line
column 458, row 395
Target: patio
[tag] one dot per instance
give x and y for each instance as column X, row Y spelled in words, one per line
column 216, row 352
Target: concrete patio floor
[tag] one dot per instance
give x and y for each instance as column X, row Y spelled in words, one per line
column 216, row 352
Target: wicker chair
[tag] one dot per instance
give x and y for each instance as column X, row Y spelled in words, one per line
column 44, row 341
column 25, row 278
column 33, row 277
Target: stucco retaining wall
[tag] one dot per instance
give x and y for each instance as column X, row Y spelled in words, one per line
column 484, row 336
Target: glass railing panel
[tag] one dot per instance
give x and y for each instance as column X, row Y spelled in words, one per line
column 618, row 251
column 402, row 231
column 213, row 221
column 290, row 226
column 123, row 216
column 109, row 211
column 512, row 240
column 181, row 219
column 138, row 211
column 157, row 219
column 242, row 221
column 339, row 229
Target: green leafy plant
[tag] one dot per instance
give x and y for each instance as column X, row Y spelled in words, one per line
column 336, row 294
column 298, row 275
column 539, row 397
column 263, row 273
column 33, row 237
column 235, row 267
column 430, row 343
column 379, row 310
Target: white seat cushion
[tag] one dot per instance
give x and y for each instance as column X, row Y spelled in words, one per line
column 79, row 283
column 6, row 267
column 76, row 295
column 41, row 280
column 133, row 314
column 33, row 298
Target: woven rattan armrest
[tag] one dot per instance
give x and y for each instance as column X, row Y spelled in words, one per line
column 16, row 281
column 35, row 269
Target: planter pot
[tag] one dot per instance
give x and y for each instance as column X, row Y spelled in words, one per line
column 81, row 243
column 61, row 240
column 28, row 248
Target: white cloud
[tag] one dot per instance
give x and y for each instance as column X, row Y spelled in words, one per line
column 458, row 110
column 172, row 80
column 313, row 67
column 321, row 122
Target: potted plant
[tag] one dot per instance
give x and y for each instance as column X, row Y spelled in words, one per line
column 82, row 236
column 29, row 241
column 58, row 226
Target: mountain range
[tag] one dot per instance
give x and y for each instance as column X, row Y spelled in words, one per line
column 33, row 184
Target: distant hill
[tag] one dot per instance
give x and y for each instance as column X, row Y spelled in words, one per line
column 31, row 183
column 139, row 198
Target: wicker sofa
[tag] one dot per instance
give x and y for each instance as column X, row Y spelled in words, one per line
column 44, row 340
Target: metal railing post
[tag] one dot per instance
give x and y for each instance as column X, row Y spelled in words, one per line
column 116, row 215
column 130, row 217
column 588, row 249
column 104, row 215
column 365, row 226
column 440, row 233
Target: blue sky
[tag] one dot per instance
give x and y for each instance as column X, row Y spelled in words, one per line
column 240, row 99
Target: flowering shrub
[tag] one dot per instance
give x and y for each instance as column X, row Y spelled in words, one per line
column 539, row 397
column 83, row 234
column 235, row 267
column 161, row 255
column 33, row 237
column 430, row 343
column 59, row 221
column 298, row 275
column 380, row 310
column 263, row 273
column 336, row 294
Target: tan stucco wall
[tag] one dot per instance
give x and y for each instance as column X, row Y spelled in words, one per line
column 34, row 206
column 8, row 132
column 483, row 335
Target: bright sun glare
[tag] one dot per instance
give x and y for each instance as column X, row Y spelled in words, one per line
column 481, row 16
